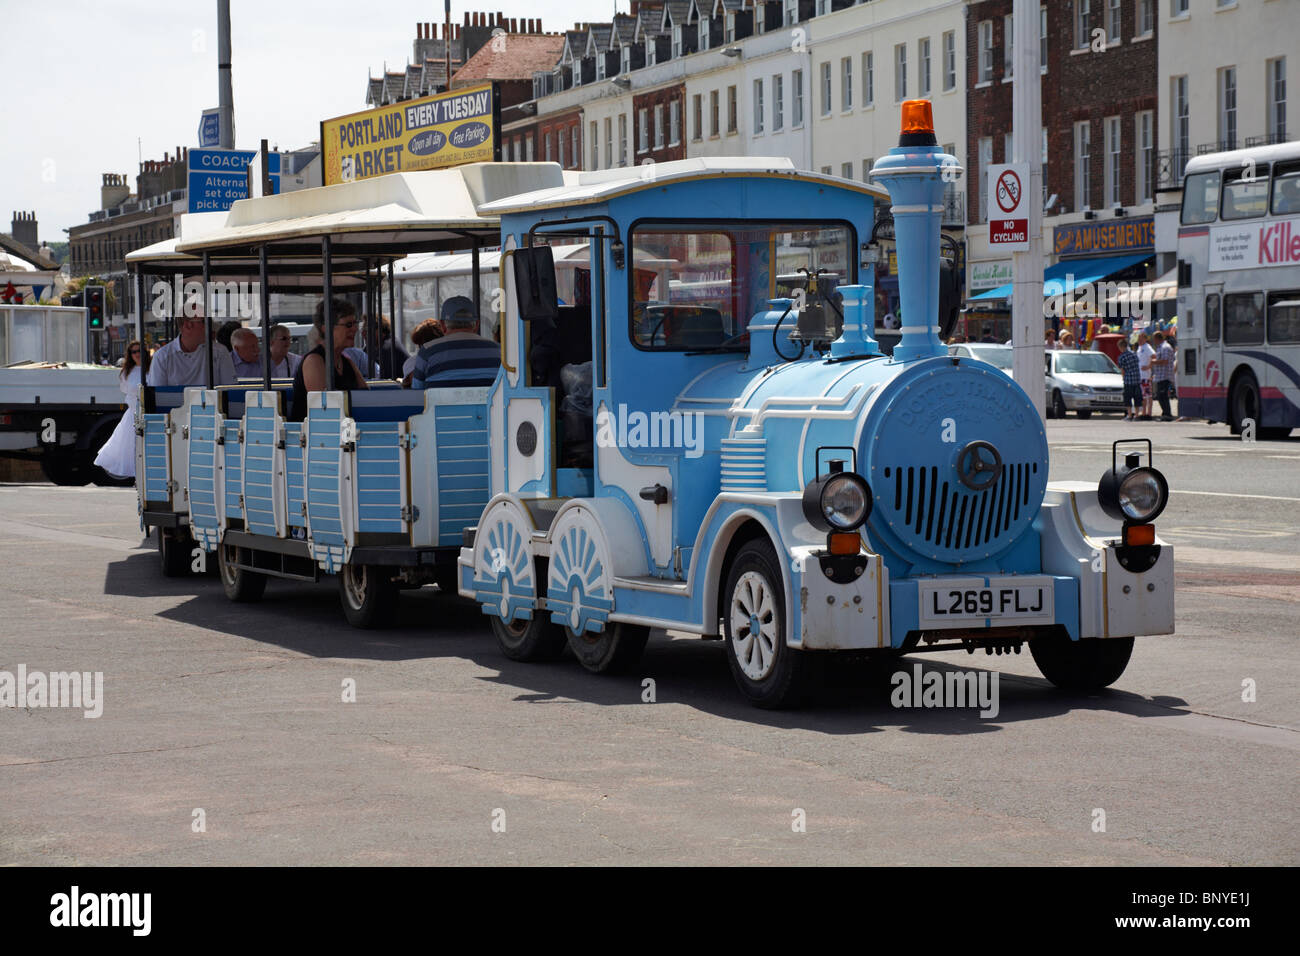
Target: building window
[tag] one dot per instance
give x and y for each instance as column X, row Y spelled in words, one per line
column 1043, row 160
column 642, row 130
column 1146, row 17
column 1177, row 7
column 868, row 79
column 1008, row 147
column 1082, row 37
column 1228, row 107
column 1042, row 39
column 1082, row 167
column 677, row 40
column 600, row 66
column 826, row 170
column 730, row 30
column 697, row 116
column 791, row 13
column 713, row 112
column 1112, row 21
column 675, row 123
column 1112, row 163
column 559, row 145
column 923, row 64
column 758, row 107
column 731, row 109
column 549, row 155
column 609, row 143
column 595, row 147
column 949, row 61
column 1275, row 78
column 650, row 51
column 986, row 160
column 986, row 51
column 778, row 106
column 900, row 72
column 659, row 126
column 622, row 139
column 625, row 58
column 1182, row 134
column 528, row 149
column 703, row 33
column 846, row 170
column 866, row 169
column 846, row 83
column 1144, row 133
column 796, row 98
column 577, row 146
column 1008, row 48
column 826, row 89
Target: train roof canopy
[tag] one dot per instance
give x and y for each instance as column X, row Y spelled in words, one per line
column 387, row 216
column 598, row 186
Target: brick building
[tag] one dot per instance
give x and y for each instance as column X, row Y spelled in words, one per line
column 659, row 117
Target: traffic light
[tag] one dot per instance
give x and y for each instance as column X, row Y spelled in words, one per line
column 95, row 307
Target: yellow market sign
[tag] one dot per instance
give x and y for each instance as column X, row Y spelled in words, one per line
column 447, row 129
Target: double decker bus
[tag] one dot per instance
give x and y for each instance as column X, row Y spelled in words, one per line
column 1239, row 289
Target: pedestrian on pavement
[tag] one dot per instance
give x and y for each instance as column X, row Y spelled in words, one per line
column 1049, row 340
column 117, row 456
column 248, row 353
column 987, row 337
column 1162, row 374
column 1128, row 366
column 1066, row 340
column 184, row 360
column 1145, row 354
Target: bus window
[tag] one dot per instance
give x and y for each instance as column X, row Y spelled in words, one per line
column 1212, row 318
column 1245, row 197
column 1201, row 198
column 1286, row 189
column 1243, row 319
column 1284, row 317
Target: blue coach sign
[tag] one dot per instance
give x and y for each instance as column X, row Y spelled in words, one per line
column 219, row 177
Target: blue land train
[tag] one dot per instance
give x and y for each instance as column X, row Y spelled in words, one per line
column 695, row 441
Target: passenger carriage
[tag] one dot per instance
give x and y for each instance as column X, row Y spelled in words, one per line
column 755, row 469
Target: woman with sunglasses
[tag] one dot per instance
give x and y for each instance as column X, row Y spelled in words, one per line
column 310, row 376
column 117, row 457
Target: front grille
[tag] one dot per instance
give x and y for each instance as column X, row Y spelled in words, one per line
column 948, row 515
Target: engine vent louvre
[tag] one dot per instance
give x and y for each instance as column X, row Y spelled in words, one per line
column 948, row 515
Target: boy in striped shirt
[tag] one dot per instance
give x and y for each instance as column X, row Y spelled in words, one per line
column 1128, row 365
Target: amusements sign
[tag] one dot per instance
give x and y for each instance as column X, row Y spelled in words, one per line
column 433, row 132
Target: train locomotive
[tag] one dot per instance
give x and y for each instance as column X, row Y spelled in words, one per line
column 724, row 456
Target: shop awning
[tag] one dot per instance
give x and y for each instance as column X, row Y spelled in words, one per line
column 1061, row 279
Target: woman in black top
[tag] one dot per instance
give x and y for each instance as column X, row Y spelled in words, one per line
column 310, row 376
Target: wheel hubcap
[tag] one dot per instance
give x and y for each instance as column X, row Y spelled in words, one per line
column 354, row 583
column 754, row 627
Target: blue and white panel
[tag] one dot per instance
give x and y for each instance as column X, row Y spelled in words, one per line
column 232, row 474
column 505, row 580
column 327, row 470
column 263, row 466
column 462, row 469
column 295, row 476
column 156, row 451
column 205, row 424
column 579, row 591
column 380, row 486
column 744, row 464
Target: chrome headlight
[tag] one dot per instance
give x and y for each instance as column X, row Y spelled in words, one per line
column 1134, row 493
column 839, row 501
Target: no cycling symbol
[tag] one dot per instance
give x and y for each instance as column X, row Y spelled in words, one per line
column 1008, row 191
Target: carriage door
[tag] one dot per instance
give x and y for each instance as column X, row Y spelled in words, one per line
column 1208, row 372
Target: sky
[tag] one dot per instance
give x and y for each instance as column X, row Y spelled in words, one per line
column 92, row 86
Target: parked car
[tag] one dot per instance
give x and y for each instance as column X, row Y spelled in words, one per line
column 1082, row 382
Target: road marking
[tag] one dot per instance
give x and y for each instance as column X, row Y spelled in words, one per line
column 1229, row 494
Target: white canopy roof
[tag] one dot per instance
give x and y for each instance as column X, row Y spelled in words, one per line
column 598, row 186
column 386, row 215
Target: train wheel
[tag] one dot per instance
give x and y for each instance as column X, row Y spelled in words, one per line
column 766, row 670
column 614, row 650
column 241, row 585
column 532, row 640
column 368, row 594
column 1085, row 665
column 174, row 553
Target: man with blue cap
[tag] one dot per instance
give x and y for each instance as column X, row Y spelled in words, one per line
column 461, row 356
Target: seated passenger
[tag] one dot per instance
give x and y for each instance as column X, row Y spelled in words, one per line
column 421, row 335
column 184, row 360
column 248, row 353
column 310, row 376
column 461, row 356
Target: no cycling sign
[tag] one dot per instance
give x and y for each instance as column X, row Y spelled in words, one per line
column 1007, row 213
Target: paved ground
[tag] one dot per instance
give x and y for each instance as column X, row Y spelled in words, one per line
column 237, row 711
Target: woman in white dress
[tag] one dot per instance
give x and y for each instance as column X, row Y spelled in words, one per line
column 117, row 457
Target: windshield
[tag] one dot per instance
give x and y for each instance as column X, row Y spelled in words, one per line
column 1085, row 362
column 1001, row 357
column 698, row 284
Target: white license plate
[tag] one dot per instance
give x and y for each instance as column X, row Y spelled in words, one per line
column 1116, row 399
column 992, row 602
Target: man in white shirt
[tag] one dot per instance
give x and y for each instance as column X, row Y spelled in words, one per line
column 184, row 360
column 284, row 364
column 1145, row 354
column 248, row 354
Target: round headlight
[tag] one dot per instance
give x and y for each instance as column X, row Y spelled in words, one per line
column 844, row 502
column 1142, row 494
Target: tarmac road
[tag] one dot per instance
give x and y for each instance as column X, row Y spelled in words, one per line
column 237, row 711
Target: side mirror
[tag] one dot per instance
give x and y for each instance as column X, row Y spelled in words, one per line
column 535, row 284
